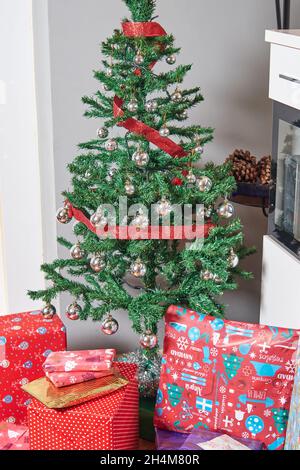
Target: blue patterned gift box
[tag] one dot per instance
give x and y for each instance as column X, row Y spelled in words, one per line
column 293, row 431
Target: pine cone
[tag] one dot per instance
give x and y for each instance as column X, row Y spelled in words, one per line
column 265, row 169
column 244, row 166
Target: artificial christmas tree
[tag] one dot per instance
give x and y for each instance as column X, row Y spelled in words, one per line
column 144, row 153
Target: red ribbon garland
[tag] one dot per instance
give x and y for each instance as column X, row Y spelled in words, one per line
column 150, row 233
column 149, row 29
column 152, row 135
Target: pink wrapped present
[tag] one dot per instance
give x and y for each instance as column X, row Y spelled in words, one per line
column 67, row 368
column 13, row 437
column 64, row 379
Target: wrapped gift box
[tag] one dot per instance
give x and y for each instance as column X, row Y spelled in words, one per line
column 25, row 341
column 13, row 437
column 226, row 376
column 171, row 440
column 293, row 431
column 106, row 423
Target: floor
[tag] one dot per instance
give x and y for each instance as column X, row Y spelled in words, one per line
column 145, row 445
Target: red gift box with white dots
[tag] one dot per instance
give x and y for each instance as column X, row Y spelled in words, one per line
column 107, row 423
column 26, row 339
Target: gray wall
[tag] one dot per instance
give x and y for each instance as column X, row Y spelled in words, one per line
column 225, row 41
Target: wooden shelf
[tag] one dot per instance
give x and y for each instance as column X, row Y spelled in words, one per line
column 252, row 195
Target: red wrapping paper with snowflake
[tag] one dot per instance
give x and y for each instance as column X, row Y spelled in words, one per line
column 226, row 376
column 26, row 340
column 110, row 422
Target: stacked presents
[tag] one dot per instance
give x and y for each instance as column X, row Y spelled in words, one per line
column 69, row 400
column 224, row 385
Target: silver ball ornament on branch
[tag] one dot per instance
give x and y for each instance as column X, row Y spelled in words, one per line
column 102, row 132
column 184, row 114
column 171, row 59
column 139, row 59
column 111, row 145
column 48, row 311
column 226, row 210
column 141, row 221
column 199, row 149
column 138, row 269
column 205, row 184
column 207, row 276
column 97, row 263
column 77, row 252
column 133, row 105
column 191, row 178
column 177, row 97
column 110, row 326
column 233, row 260
column 164, row 131
column 63, row 215
column 129, row 188
column 98, row 220
column 164, row 207
column 148, row 340
column 218, row 279
column 109, row 72
column 151, row 106
column 73, row 311
column 205, row 212
column 140, row 158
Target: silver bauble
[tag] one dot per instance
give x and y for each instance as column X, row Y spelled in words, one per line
column 63, row 215
column 217, row 279
column 184, row 114
column 176, row 97
column 109, row 72
column 95, row 219
column 88, row 174
column 148, row 340
column 205, row 212
column 48, row 311
column 111, row 145
column 139, row 59
column 77, row 252
column 140, row 158
column 233, row 260
column 164, row 131
column 226, row 210
column 110, row 326
column 205, row 184
column 97, row 264
column 73, row 311
column 171, row 59
column 138, row 269
column 164, row 207
column 207, row 275
column 133, row 106
column 141, row 221
column 106, row 88
column 151, row 106
column 102, row 133
column 199, row 149
column 129, row 188
column 191, row 178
